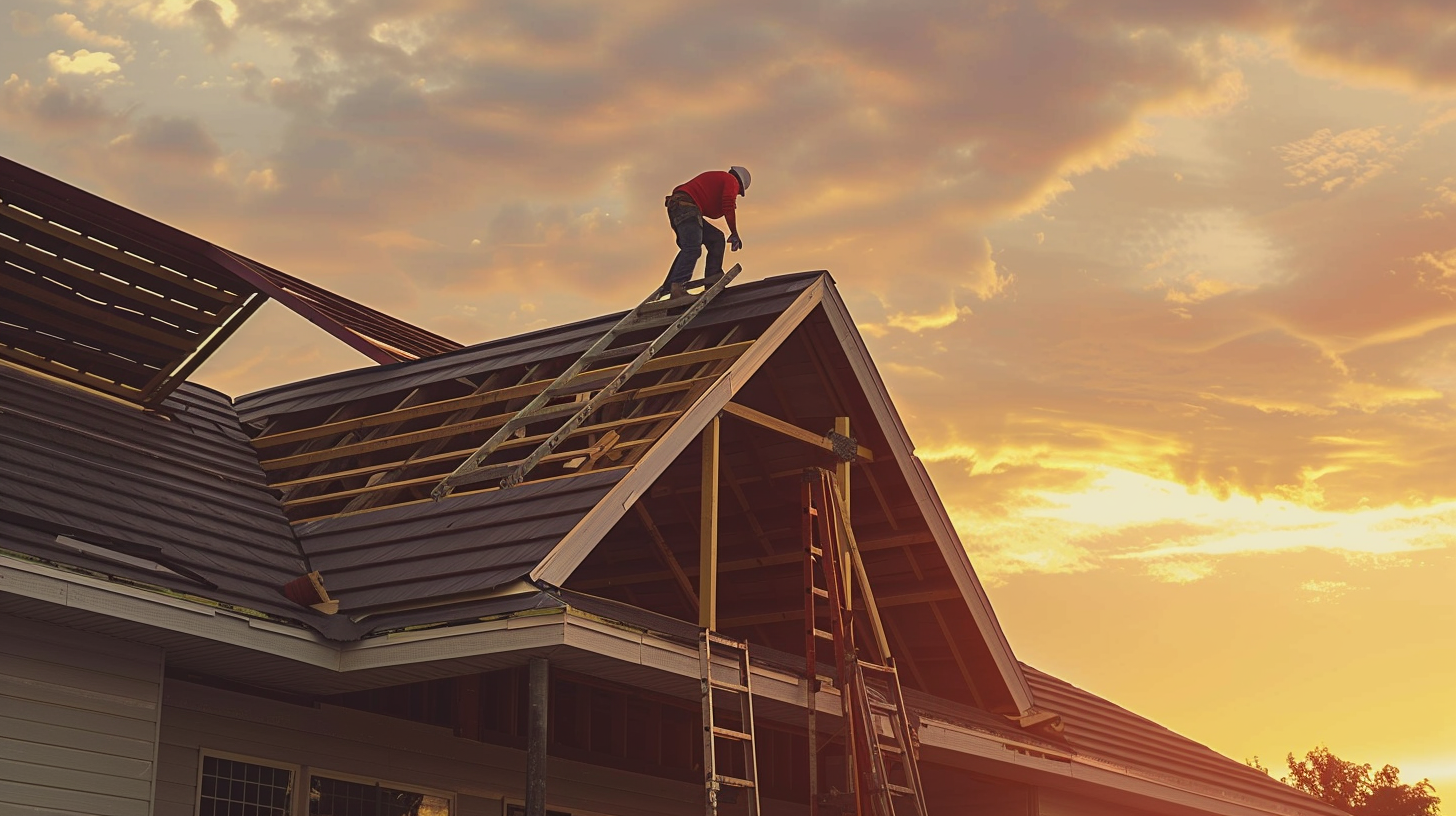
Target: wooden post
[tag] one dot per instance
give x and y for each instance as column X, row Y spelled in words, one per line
column 841, row 476
column 536, row 738
column 708, row 531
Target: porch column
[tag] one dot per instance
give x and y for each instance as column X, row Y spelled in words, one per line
column 536, row 738
column 708, row 528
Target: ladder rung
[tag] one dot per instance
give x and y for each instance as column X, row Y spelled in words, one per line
column 819, row 593
column 732, row 781
column 641, row 323
column 820, row 633
column 888, row 708
column 899, row 789
column 891, row 748
column 667, row 303
column 621, row 351
column 721, row 684
column 816, row 552
column 728, row 733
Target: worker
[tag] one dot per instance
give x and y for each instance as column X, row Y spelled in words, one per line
column 713, row 194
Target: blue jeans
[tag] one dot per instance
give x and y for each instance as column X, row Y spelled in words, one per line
column 693, row 233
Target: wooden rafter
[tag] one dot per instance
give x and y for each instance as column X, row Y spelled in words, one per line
column 683, row 582
column 790, row 430
column 530, row 389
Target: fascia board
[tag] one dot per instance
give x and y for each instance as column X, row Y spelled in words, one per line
column 162, row 612
column 928, row 500
column 568, row 553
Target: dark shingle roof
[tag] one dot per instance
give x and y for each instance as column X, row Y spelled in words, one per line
column 1098, row 728
column 178, row 488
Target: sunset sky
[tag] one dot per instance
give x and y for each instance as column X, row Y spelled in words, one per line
column 1164, row 290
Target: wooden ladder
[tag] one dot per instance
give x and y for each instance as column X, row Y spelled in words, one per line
column 650, row 313
column 742, row 688
column 881, row 770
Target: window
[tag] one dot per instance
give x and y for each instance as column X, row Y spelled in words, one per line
column 329, row 795
column 238, row 787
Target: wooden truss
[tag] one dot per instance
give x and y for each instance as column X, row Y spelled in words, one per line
column 392, row 448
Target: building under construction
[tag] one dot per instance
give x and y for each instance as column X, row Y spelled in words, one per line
column 681, row 560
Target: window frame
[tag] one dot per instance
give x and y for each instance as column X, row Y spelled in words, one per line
column 314, row 770
column 204, row 752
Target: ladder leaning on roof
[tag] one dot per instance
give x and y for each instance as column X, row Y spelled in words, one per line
column 471, row 470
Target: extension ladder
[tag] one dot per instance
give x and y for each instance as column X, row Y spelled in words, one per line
column 742, row 736
column 650, row 313
column 881, row 772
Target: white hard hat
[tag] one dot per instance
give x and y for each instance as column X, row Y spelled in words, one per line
column 742, row 174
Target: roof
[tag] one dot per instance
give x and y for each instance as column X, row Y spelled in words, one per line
column 102, row 296
column 406, row 548
column 174, row 501
column 1098, row 728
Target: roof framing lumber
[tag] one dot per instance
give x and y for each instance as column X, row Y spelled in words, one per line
column 531, row 389
column 775, row 424
column 674, row 568
column 445, row 431
column 422, row 480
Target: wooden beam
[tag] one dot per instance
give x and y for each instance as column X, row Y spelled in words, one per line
column 683, row 582
column 841, row 469
column 846, row 531
column 792, row 431
column 125, row 258
column 464, row 491
column 708, row 530
column 798, row 614
column 747, row 508
column 945, row 631
column 461, row 454
column 530, row 389
column 423, row 480
column 444, row 431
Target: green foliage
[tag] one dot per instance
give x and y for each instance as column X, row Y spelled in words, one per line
column 1356, row 789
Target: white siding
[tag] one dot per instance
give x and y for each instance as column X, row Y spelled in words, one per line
column 352, row 742
column 78, row 721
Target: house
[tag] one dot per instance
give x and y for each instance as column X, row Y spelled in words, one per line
column 215, row 605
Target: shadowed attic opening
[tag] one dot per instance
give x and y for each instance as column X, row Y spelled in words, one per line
column 650, row 558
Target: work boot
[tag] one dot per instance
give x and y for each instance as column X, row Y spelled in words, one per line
column 678, row 290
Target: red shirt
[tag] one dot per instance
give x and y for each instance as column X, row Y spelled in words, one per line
column 715, row 192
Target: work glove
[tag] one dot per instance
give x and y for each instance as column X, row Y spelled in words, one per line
column 735, row 242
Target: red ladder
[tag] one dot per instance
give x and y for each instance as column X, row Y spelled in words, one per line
column 881, row 772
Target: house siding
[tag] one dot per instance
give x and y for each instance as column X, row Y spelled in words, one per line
column 78, row 721
column 329, row 738
column 1053, row 802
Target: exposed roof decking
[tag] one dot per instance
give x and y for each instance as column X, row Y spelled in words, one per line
column 380, row 438
column 102, row 296
column 99, row 295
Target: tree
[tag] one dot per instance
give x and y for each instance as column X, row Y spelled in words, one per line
column 1355, row 789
